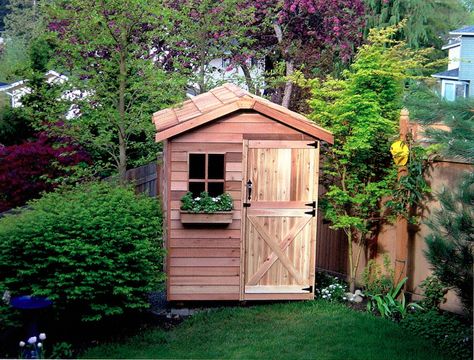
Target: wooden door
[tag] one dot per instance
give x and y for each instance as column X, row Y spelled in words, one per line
column 279, row 228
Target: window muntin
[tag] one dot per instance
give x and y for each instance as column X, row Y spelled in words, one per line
column 206, row 173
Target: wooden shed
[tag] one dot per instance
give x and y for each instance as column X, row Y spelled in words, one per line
column 267, row 158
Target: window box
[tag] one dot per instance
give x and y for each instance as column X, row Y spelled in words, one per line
column 220, row 217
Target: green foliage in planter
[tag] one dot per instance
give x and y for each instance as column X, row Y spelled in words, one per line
column 94, row 250
column 444, row 329
column 206, row 204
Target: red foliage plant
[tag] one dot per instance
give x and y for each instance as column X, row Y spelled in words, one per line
column 28, row 169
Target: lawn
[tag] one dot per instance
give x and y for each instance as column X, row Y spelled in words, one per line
column 298, row 330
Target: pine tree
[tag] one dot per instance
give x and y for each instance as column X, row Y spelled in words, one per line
column 451, row 243
column 450, row 246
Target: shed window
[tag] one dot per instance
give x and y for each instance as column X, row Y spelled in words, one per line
column 206, row 173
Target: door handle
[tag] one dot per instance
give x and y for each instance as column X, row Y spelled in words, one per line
column 249, row 193
column 249, row 190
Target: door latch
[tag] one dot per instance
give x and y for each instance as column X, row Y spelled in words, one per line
column 249, row 193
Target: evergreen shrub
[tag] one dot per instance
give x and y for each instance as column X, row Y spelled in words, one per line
column 94, row 250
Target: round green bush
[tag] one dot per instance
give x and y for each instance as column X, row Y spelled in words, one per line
column 95, row 250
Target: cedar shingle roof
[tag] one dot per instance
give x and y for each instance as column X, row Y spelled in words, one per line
column 224, row 100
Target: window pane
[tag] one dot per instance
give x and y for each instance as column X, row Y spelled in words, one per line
column 197, row 166
column 449, row 91
column 216, row 166
column 460, row 90
column 196, row 188
column 215, row 189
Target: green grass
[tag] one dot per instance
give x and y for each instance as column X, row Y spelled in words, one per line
column 298, row 330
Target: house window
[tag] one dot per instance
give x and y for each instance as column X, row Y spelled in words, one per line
column 451, row 90
column 206, row 173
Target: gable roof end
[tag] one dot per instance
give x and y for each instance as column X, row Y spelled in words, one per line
column 222, row 101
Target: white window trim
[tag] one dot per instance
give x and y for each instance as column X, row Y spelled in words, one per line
column 453, row 82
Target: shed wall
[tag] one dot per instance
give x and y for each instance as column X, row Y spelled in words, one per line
column 204, row 263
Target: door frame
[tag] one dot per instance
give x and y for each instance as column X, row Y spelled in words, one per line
column 277, row 144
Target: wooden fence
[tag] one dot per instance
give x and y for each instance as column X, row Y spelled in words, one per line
column 144, row 179
column 331, row 249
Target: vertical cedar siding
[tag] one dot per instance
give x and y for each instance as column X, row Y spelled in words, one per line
column 204, row 263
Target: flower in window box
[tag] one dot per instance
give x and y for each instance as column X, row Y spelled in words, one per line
column 206, row 204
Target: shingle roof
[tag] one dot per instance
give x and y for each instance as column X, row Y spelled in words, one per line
column 452, row 74
column 224, row 100
column 466, row 30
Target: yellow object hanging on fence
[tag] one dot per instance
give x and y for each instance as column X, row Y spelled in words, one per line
column 400, row 151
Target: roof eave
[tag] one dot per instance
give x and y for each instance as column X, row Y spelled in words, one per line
column 445, row 77
column 462, row 33
column 303, row 126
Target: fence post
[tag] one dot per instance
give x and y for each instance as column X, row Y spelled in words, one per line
column 401, row 250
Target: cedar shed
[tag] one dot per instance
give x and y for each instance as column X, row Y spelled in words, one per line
column 267, row 158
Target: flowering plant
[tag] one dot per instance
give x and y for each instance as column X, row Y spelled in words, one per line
column 331, row 289
column 33, row 347
column 206, row 203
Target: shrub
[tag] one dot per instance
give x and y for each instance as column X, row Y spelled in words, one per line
column 377, row 279
column 94, row 250
column 445, row 330
column 28, row 169
column 434, row 291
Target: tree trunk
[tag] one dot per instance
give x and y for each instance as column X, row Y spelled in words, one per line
column 248, row 78
column 289, row 84
column 122, row 168
column 289, row 64
column 351, row 262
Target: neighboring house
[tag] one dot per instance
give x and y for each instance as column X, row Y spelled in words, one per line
column 458, row 80
column 221, row 70
column 20, row 88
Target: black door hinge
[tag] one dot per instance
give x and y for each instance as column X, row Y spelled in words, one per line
column 312, row 212
column 309, row 289
column 314, row 144
column 313, row 204
column 246, row 204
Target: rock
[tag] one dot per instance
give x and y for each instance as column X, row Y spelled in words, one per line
column 181, row 312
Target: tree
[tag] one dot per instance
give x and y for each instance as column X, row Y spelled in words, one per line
column 362, row 111
column 114, row 53
column 308, row 35
column 458, row 116
column 427, row 22
column 3, row 12
column 24, row 20
column 208, row 30
column 15, row 126
column 35, row 166
column 451, row 244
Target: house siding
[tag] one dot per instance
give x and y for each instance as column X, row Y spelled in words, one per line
column 466, row 67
